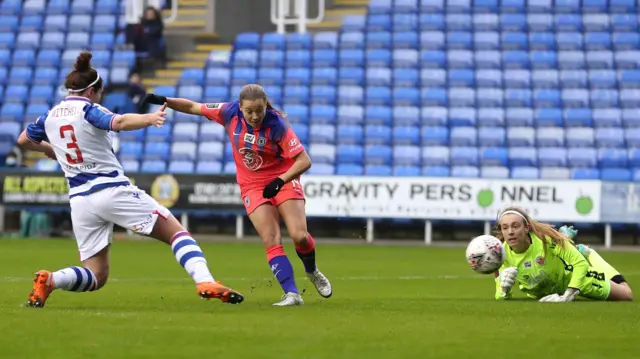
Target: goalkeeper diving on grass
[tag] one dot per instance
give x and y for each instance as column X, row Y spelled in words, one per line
column 547, row 265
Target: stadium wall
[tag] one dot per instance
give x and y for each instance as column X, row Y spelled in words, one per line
column 424, row 208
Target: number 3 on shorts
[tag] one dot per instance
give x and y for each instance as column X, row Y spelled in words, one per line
column 67, row 132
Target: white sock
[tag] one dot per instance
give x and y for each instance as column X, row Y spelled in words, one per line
column 75, row 279
column 190, row 257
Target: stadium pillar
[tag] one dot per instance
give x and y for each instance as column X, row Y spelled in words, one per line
column 184, row 220
column 487, row 227
column 239, row 227
column 428, row 232
column 1, row 219
column 607, row 236
column 369, row 230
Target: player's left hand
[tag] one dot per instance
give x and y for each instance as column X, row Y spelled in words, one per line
column 569, row 295
column 272, row 189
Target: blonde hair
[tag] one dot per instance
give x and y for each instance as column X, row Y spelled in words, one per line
column 546, row 232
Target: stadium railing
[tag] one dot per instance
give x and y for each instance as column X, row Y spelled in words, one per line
column 281, row 14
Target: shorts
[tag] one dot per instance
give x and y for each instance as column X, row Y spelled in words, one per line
column 94, row 215
column 597, row 285
column 252, row 198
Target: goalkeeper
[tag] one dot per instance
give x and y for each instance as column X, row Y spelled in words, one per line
column 547, row 265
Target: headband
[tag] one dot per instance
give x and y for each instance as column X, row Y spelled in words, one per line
column 513, row 212
column 90, row 85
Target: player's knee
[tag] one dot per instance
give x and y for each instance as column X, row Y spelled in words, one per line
column 271, row 240
column 627, row 293
column 300, row 237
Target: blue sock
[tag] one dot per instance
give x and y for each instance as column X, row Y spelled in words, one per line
column 282, row 269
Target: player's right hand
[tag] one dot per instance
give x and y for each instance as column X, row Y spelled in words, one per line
column 508, row 279
column 155, row 99
column 157, row 118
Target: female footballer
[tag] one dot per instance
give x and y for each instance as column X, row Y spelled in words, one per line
column 269, row 161
column 547, row 265
column 75, row 132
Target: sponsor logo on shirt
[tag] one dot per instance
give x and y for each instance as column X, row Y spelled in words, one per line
column 540, row 261
column 249, row 138
column 251, row 159
column 262, row 141
column 527, row 264
column 213, row 105
column 293, row 142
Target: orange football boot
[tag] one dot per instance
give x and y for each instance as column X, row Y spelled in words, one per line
column 208, row 290
column 42, row 287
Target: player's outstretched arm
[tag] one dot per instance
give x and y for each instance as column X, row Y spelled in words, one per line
column 27, row 144
column 131, row 121
column 177, row 104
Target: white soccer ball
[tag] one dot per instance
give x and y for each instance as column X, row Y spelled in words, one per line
column 485, row 254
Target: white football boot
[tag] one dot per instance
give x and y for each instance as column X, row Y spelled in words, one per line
column 322, row 284
column 289, row 299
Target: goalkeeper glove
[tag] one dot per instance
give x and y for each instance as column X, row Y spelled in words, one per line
column 569, row 296
column 508, row 279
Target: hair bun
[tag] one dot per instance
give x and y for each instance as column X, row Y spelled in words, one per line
column 83, row 62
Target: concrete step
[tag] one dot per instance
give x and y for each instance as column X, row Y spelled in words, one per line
column 339, row 14
column 187, row 24
column 325, row 25
column 168, row 73
column 213, row 47
column 159, row 82
column 193, row 55
column 184, row 64
column 191, row 3
column 362, row 3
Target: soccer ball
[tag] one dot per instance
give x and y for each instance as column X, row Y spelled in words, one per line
column 485, row 254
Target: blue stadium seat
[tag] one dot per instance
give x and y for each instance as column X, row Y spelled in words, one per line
column 322, row 114
column 322, row 153
column 464, row 156
column 130, row 151
column 463, row 136
column 491, row 117
column 349, row 134
column 525, row 172
column 208, row 167
column 377, row 155
column 295, row 41
column 377, row 135
column 350, row 154
column 325, row 40
column 491, row 136
column 247, row 40
column 153, row 166
column 273, row 41
column 323, row 133
column 555, row 173
column 494, row 172
column 191, row 76
column 107, row 7
column 405, row 155
column 436, row 156
column 550, row 136
column 552, row 157
column 615, row 174
column 211, row 150
column 181, row 167
column 612, row 158
column 130, row 166
column 218, row 77
column 465, row 171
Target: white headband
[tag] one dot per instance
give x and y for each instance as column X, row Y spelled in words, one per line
column 90, row 85
column 513, row 212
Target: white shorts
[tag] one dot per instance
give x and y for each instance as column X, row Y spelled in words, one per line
column 94, row 215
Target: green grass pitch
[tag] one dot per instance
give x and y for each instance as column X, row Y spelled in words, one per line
column 388, row 302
